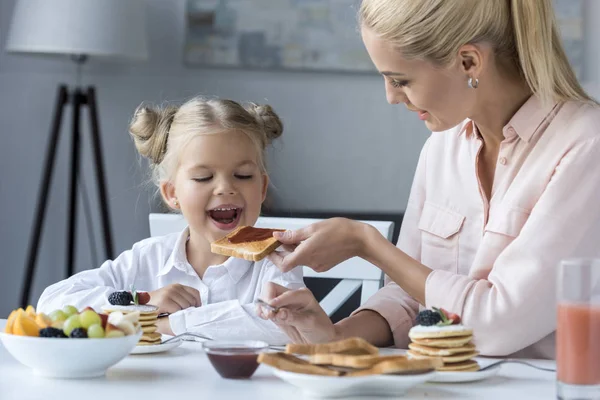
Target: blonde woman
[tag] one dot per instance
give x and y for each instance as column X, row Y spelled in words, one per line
column 507, row 185
column 207, row 158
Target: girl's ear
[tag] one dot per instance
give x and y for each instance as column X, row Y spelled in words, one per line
column 265, row 186
column 167, row 190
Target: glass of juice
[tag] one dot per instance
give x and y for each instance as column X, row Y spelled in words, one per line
column 578, row 330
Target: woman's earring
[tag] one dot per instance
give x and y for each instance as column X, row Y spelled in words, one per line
column 473, row 84
column 175, row 203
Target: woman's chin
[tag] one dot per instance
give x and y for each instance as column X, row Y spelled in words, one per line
column 435, row 126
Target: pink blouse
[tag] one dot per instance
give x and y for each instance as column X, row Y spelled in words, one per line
column 494, row 262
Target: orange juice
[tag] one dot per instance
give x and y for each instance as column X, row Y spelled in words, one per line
column 578, row 344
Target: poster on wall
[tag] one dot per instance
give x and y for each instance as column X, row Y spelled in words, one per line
column 314, row 35
column 275, row 34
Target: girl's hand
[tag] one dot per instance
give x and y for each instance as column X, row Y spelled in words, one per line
column 320, row 246
column 163, row 326
column 300, row 316
column 175, row 297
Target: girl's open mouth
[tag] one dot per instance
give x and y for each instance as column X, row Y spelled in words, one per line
column 226, row 217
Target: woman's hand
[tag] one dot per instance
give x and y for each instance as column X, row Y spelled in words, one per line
column 320, row 246
column 300, row 316
column 175, row 297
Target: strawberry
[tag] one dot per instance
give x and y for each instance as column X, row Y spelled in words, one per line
column 451, row 317
column 143, row 297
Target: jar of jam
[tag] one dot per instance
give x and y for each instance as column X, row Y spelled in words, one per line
column 234, row 359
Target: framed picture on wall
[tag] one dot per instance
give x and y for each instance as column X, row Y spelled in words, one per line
column 275, row 34
column 313, row 35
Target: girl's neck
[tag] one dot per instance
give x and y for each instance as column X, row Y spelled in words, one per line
column 197, row 250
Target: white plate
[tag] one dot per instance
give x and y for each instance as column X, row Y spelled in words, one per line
column 372, row 385
column 457, row 377
column 156, row 348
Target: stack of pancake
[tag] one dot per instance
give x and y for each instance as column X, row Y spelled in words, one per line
column 451, row 343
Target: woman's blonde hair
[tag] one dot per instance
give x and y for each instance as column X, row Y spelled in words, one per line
column 524, row 35
column 161, row 133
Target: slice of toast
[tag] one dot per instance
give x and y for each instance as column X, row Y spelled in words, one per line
column 356, row 362
column 387, row 365
column 351, row 346
column 399, row 366
column 251, row 250
column 288, row 362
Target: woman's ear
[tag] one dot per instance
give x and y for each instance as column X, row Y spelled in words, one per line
column 265, row 186
column 472, row 59
column 167, row 191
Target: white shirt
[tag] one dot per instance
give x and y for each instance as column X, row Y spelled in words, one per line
column 227, row 291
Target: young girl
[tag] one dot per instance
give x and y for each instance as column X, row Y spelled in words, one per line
column 207, row 158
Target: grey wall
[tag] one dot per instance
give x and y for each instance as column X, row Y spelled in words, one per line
column 344, row 147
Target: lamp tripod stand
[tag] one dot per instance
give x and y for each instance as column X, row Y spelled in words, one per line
column 78, row 99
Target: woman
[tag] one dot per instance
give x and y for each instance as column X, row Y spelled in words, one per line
column 507, row 185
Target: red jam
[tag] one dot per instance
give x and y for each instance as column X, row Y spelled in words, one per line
column 234, row 363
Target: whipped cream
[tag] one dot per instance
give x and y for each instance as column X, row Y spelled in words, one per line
column 146, row 308
column 437, row 328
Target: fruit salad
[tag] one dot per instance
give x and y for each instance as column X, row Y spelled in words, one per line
column 69, row 322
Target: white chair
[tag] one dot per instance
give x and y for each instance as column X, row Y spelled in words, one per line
column 353, row 273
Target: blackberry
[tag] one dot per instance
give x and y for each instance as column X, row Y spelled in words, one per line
column 428, row 318
column 52, row 333
column 120, row 298
column 78, row 333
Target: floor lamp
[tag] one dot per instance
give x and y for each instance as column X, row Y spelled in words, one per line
column 78, row 29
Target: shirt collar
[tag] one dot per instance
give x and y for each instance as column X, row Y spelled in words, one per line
column 524, row 123
column 178, row 257
column 236, row 267
column 528, row 118
column 468, row 128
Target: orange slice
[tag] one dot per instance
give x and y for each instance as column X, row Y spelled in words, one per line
column 43, row 321
column 30, row 311
column 11, row 320
column 25, row 326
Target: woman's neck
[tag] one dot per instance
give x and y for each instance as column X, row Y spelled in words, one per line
column 498, row 103
column 199, row 256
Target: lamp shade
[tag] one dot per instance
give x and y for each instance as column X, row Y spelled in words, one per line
column 106, row 28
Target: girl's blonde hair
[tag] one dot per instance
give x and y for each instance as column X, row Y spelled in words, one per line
column 161, row 133
column 524, row 35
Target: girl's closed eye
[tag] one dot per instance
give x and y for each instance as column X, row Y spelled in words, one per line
column 203, row 179
column 243, row 177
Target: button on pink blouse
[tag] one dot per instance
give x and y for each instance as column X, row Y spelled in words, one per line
column 494, row 263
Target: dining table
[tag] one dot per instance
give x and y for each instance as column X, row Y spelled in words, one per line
column 186, row 373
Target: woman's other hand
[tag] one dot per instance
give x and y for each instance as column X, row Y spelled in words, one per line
column 299, row 314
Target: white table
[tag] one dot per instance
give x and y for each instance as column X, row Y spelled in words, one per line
column 186, row 373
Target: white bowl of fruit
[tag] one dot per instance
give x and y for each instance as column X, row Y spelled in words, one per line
column 70, row 344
